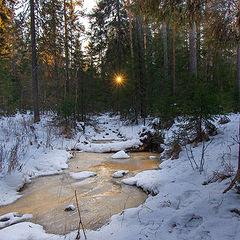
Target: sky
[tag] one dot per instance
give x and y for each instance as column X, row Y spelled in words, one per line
column 88, row 5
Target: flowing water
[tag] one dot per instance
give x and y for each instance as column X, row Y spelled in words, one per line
column 99, row 197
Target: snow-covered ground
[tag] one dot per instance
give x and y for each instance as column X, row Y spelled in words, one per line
column 180, row 207
column 29, row 150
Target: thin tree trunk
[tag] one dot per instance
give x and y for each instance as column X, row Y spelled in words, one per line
column 238, row 70
column 66, row 49
column 130, row 28
column 55, row 56
column 34, row 64
column 165, row 51
column 193, row 50
column 119, row 48
column 174, row 60
column 145, row 40
column 209, row 65
column 141, row 67
column 134, row 97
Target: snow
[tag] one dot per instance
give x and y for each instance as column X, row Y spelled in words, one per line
column 152, row 157
column 13, row 218
column 9, row 186
column 178, row 206
column 110, row 129
column 82, row 175
column 120, row 173
column 121, row 154
column 26, row 230
column 150, row 186
column 109, row 147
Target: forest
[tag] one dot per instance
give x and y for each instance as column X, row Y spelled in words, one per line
column 173, row 57
column 119, row 122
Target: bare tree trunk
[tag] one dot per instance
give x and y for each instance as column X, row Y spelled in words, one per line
column 55, row 54
column 193, row 50
column 238, row 70
column 119, row 50
column 134, row 97
column 130, row 28
column 66, row 49
column 34, row 64
column 174, row 60
column 145, row 40
column 165, row 51
column 209, row 64
column 141, row 67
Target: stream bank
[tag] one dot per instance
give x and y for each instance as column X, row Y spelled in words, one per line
column 99, row 197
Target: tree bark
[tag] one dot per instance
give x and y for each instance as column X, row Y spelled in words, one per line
column 55, row 53
column 209, row 64
column 238, row 70
column 130, row 28
column 34, row 64
column 145, row 40
column 193, row 50
column 141, row 67
column 165, row 51
column 174, row 60
column 66, row 49
column 134, row 97
column 119, row 50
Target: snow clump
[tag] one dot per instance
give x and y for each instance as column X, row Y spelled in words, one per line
column 120, row 154
column 120, row 173
column 82, row 175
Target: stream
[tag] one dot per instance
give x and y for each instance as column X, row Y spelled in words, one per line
column 99, row 197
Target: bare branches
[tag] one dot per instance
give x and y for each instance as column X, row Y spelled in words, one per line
column 192, row 159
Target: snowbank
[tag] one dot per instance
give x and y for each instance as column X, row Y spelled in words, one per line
column 109, row 147
column 181, row 208
column 13, row 218
column 9, row 185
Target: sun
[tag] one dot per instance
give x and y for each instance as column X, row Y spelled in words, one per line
column 119, row 79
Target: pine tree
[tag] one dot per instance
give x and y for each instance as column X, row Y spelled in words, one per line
column 34, row 63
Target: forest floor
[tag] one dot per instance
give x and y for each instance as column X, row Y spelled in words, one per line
column 182, row 203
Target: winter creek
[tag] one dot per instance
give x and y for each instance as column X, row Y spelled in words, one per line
column 99, row 197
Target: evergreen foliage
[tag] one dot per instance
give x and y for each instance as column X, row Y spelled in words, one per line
column 147, row 42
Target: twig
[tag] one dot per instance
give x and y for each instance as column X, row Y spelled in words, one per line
column 124, row 207
column 80, row 220
column 191, row 151
column 204, row 148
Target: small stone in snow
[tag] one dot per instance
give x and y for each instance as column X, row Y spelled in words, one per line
column 69, row 208
column 120, row 173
